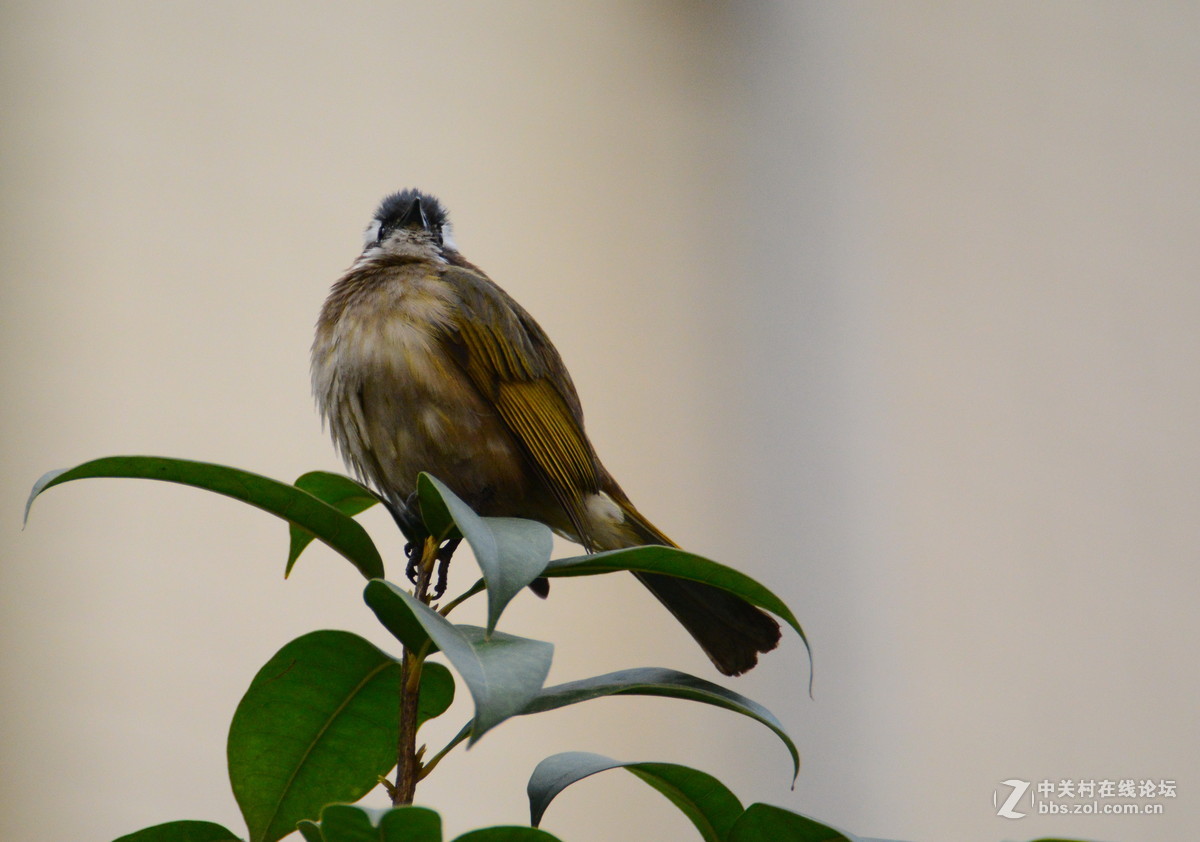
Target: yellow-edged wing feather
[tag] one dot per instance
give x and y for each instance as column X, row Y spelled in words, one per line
column 510, row 360
column 512, row 363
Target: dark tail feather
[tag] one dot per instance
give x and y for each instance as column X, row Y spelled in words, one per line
column 730, row 630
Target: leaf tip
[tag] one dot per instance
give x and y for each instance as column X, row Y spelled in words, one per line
column 38, row 487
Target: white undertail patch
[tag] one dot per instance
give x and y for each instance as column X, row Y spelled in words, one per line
column 605, row 521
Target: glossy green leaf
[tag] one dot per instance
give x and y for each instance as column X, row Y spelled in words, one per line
column 707, row 803
column 653, row 681
column 347, row 823
column 319, row 724
column 671, row 561
column 765, row 823
column 511, row 552
column 502, row 671
column 340, row 532
column 311, row 831
column 508, row 833
column 344, row 494
column 184, row 831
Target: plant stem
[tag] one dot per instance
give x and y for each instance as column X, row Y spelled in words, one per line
column 437, row 758
column 461, row 598
column 408, row 758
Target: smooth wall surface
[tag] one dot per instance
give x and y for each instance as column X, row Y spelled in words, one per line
column 893, row 306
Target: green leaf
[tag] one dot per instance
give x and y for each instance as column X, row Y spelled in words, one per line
column 434, row 512
column 502, row 671
column 185, row 831
column 311, row 831
column 388, row 603
column 347, row 823
column 340, row 532
column 765, row 823
column 672, row 561
column 344, row 494
column 507, row 833
column 411, row 824
column 511, row 552
column 653, row 681
column 436, row 694
column 318, row 724
column 707, row 803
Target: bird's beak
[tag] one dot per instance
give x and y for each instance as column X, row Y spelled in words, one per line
column 414, row 217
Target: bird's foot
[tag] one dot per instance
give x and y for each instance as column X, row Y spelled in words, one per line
column 444, row 554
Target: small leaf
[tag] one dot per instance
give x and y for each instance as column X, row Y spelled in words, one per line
column 184, row 831
column 765, row 823
column 653, row 681
column 318, row 724
column 707, row 803
column 511, row 552
column 347, row 823
column 410, row 824
column 388, row 603
column 342, row 533
column 344, row 494
column 434, row 513
column 507, row 833
column 671, row 561
column 437, row 692
column 502, row 671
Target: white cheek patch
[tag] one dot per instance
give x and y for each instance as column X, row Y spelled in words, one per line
column 369, row 254
column 372, row 233
column 448, row 237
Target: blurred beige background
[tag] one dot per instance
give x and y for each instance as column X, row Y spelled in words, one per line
column 894, row 306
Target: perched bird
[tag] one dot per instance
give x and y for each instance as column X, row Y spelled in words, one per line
column 422, row 363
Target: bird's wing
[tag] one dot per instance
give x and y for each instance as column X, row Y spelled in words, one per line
column 512, row 363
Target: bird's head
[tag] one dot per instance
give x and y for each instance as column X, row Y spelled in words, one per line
column 409, row 224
